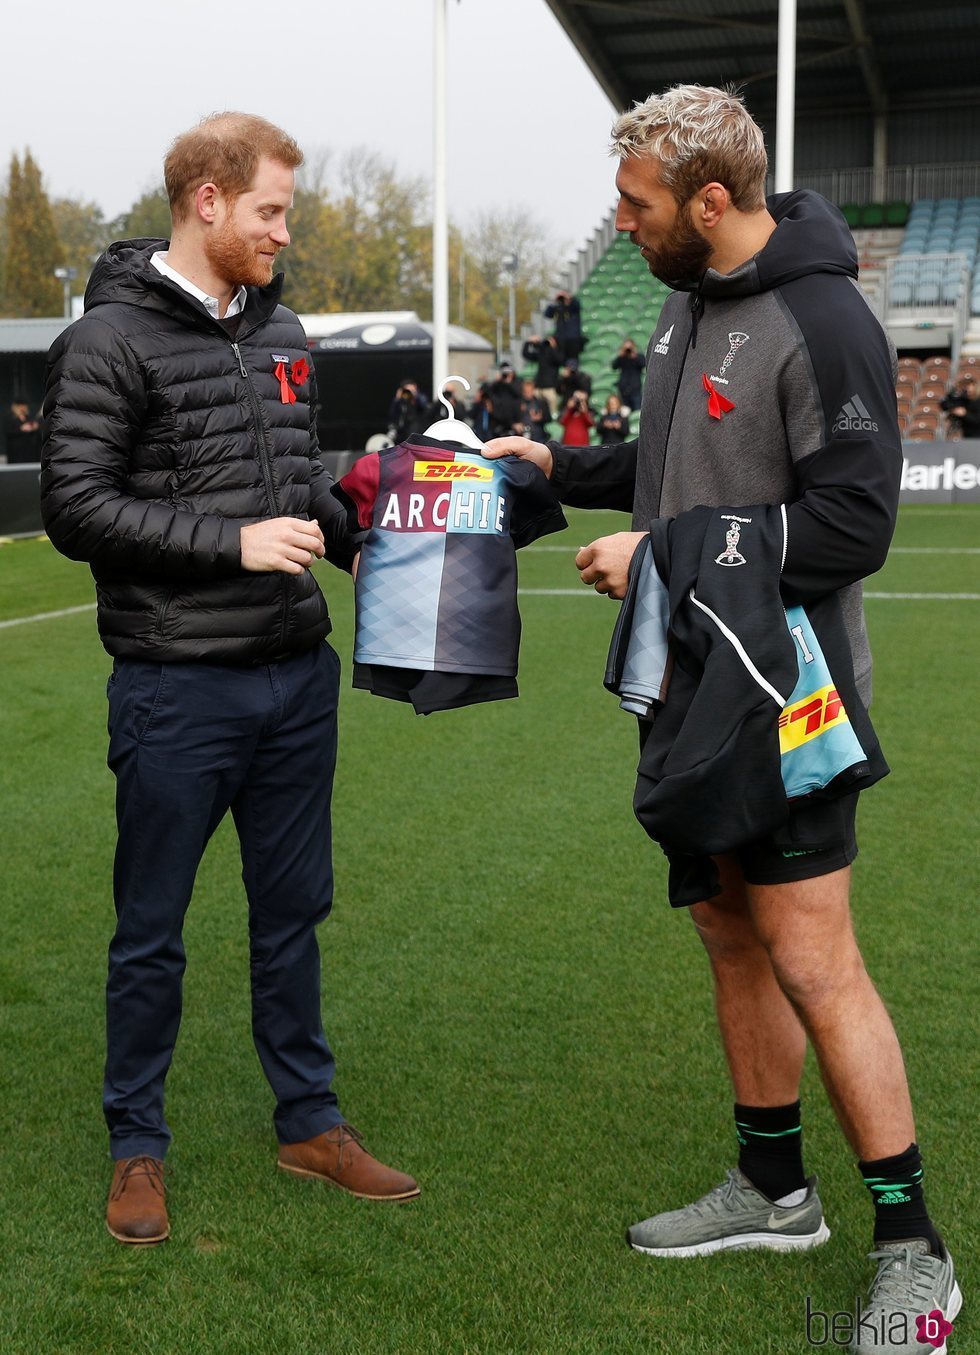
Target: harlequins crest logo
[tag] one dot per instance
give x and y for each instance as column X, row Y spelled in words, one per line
column 730, row 556
column 736, row 340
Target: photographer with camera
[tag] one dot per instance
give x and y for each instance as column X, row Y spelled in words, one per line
column 962, row 407
column 21, row 433
column 613, row 424
column 571, row 378
column 547, row 354
column 535, row 413
column 409, row 412
column 577, row 420
column 566, row 311
column 505, row 397
column 630, row 365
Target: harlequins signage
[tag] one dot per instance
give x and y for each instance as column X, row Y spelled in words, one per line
column 941, row 472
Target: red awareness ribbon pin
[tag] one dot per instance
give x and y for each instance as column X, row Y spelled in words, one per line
column 286, row 393
column 718, row 404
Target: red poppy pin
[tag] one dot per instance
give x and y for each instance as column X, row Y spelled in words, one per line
column 718, row 404
column 299, row 372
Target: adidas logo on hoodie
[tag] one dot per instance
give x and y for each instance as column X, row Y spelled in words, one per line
column 663, row 345
column 854, row 417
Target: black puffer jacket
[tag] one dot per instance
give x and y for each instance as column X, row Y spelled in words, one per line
column 163, row 436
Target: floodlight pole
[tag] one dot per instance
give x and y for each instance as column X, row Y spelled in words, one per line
column 66, row 277
column 510, row 264
column 785, row 95
column 440, row 225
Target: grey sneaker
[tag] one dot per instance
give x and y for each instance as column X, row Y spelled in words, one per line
column 733, row 1217
column 913, row 1300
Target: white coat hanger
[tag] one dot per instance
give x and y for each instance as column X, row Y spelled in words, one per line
column 452, row 429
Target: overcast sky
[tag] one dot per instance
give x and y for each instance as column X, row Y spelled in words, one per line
column 98, row 90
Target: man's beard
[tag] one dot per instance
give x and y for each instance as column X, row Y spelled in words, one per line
column 236, row 259
column 681, row 258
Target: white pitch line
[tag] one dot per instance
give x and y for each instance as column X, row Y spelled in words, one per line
column 927, row 597
column 585, row 592
column 895, row 550
column 48, row 616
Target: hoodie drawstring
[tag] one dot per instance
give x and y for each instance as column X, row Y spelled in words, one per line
column 697, row 310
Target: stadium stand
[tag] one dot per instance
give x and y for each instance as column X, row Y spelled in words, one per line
column 619, row 298
column 919, row 266
column 875, row 246
column 873, row 215
column 937, row 258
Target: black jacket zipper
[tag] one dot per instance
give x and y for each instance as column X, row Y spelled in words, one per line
column 264, row 462
column 260, row 432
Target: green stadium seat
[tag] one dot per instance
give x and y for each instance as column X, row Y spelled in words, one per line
column 872, row 214
column 619, row 298
column 852, row 214
column 896, row 213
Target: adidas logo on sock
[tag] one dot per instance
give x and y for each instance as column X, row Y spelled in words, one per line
column 854, row 417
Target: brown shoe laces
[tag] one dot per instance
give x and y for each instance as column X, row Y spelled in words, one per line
column 140, row 1166
column 348, row 1134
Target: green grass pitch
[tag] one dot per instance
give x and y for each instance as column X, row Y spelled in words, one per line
column 519, row 1018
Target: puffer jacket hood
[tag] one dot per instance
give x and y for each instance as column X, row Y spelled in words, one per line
column 811, row 236
column 125, row 274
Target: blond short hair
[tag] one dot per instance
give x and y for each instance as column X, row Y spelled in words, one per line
column 698, row 135
column 223, row 149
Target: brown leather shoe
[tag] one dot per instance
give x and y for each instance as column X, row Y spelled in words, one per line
column 137, row 1208
column 337, row 1157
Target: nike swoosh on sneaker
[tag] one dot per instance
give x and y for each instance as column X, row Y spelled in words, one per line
column 787, row 1216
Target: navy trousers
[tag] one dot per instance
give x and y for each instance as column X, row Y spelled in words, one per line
column 188, row 742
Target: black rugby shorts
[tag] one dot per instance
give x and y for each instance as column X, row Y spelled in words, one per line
column 818, row 838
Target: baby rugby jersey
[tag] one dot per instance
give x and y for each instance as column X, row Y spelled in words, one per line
column 437, row 621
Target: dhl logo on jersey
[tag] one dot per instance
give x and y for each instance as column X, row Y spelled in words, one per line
column 809, row 718
column 450, row 471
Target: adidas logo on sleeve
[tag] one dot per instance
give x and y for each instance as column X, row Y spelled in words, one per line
column 854, row 417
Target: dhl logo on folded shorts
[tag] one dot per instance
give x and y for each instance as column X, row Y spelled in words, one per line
column 451, row 471
column 809, row 718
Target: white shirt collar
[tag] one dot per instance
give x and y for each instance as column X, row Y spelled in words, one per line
column 210, row 303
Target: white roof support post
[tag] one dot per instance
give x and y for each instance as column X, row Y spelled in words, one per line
column 440, row 222
column 785, row 95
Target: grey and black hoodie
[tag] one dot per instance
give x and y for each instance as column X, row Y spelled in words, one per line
column 789, row 340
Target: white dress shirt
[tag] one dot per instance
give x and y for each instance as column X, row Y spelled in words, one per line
column 235, row 306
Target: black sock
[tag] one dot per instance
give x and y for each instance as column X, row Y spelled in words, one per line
column 900, row 1208
column 770, row 1149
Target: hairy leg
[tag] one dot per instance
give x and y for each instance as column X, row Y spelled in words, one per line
column 805, row 927
column 762, row 1037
